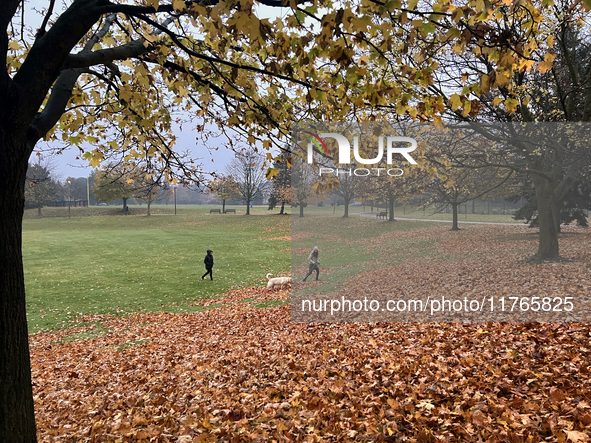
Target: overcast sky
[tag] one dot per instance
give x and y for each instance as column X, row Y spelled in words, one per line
column 67, row 165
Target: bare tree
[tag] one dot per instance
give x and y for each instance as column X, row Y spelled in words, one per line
column 347, row 188
column 146, row 188
column 249, row 176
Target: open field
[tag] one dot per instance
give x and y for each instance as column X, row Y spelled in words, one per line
column 354, row 246
column 402, row 212
column 97, row 264
column 116, row 264
column 417, row 265
column 239, row 369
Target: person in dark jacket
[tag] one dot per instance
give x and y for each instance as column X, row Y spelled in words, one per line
column 208, row 264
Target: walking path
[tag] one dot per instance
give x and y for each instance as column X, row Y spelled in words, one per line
column 369, row 214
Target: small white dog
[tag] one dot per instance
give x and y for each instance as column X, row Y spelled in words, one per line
column 277, row 281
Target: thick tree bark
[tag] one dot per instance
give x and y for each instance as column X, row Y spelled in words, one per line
column 556, row 215
column 301, row 210
column 548, row 240
column 391, row 201
column 347, row 201
column 454, row 206
column 17, row 416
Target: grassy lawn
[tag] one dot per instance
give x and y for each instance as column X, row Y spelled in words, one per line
column 366, row 258
column 356, row 244
column 102, row 262
column 115, row 264
column 352, row 245
column 243, row 369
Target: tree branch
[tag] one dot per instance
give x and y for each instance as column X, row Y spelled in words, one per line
column 7, row 10
column 56, row 104
column 135, row 10
column 133, row 49
column 104, row 56
column 41, row 30
column 62, row 90
column 189, row 51
column 44, row 62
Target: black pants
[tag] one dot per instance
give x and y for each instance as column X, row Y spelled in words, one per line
column 208, row 272
column 313, row 268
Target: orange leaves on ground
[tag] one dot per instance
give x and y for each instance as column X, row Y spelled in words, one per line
column 240, row 373
column 245, row 373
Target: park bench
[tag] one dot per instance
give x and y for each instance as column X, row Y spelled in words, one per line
column 383, row 214
column 214, row 211
column 230, row 210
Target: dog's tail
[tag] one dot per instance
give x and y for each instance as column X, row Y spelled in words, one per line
column 268, row 275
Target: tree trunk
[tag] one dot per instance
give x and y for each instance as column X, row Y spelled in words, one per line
column 454, row 206
column 223, row 206
column 548, row 240
column 346, row 208
column 556, row 215
column 124, row 204
column 301, row 210
column 149, row 202
column 17, row 416
column 282, row 211
column 391, row 201
column 247, row 207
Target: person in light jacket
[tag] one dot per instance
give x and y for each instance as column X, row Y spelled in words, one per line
column 313, row 262
column 208, row 264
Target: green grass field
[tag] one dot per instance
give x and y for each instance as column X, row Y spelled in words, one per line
column 117, row 264
column 100, row 261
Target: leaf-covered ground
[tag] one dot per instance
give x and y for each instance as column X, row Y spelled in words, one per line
column 243, row 371
column 241, row 374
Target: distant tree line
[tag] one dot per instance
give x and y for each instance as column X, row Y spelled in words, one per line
column 43, row 188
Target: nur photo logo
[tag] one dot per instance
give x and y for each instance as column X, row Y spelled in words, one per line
column 390, row 145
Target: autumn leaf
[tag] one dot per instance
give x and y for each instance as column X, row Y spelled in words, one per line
column 153, row 3
column 271, row 172
column 546, row 65
column 576, row 436
column 179, row 5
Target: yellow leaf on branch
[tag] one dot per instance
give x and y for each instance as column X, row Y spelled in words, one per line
column 154, row 3
column 546, row 65
column 179, row 5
